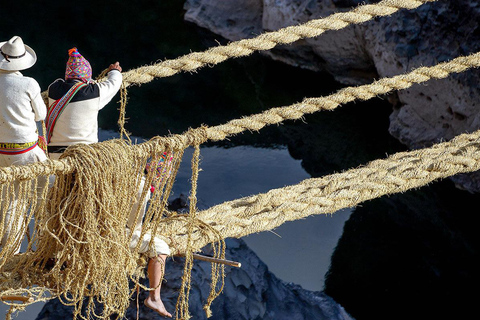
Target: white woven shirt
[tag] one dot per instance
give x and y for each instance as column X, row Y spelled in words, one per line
column 78, row 122
column 21, row 104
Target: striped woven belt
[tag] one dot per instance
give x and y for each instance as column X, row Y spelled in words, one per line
column 16, row 148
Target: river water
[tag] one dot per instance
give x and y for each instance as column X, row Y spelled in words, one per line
column 297, row 251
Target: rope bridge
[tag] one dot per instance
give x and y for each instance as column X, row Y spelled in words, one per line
column 79, row 251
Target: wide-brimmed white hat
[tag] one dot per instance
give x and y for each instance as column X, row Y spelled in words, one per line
column 15, row 55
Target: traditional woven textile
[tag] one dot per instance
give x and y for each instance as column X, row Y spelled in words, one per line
column 55, row 110
column 161, row 167
column 17, row 148
column 78, row 67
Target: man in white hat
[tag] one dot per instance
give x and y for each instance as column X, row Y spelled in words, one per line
column 21, row 105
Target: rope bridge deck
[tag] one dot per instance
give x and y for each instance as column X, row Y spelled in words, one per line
column 80, row 218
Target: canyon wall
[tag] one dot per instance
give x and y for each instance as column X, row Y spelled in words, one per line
column 439, row 31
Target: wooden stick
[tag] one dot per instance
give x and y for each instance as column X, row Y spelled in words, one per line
column 17, row 298
column 215, row 260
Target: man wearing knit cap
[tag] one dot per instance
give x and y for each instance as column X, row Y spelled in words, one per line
column 21, row 105
column 74, row 104
column 71, row 119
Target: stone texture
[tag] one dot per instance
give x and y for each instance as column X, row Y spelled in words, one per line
column 227, row 18
column 424, row 114
column 250, row 292
column 337, row 52
column 413, row 253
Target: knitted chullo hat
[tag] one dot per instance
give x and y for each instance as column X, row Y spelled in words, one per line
column 78, row 67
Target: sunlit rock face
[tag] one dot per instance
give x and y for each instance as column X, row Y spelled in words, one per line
column 435, row 32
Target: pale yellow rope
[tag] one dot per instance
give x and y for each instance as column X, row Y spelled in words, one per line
column 183, row 296
column 268, row 40
column 397, row 173
column 343, row 96
column 82, row 248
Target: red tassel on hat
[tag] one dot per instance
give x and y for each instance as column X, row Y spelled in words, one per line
column 78, row 67
column 73, row 52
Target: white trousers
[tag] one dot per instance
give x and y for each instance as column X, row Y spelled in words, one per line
column 159, row 246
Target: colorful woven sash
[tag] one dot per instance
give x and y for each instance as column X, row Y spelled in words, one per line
column 16, row 148
column 55, row 110
column 163, row 169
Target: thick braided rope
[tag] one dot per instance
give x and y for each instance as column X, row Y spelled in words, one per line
column 268, row 40
column 397, row 173
column 271, row 116
column 349, row 94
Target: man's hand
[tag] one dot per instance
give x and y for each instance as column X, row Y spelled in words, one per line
column 115, row 66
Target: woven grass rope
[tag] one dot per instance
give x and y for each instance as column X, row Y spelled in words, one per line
column 79, row 249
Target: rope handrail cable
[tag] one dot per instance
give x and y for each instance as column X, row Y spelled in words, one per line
column 268, row 40
column 349, row 94
column 326, row 195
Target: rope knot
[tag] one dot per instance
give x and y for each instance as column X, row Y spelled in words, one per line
column 196, row 137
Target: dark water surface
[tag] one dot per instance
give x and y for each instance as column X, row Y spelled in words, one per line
column 407, row 256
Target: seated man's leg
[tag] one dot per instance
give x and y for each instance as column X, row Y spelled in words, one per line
column 156, row 268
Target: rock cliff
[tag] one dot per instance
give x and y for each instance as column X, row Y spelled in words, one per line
column 435, row 32
column 250, row 292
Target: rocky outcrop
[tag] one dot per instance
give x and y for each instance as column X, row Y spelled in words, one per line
column 233, row 20
column 250, row 292
column 434, row 32
column 409, row 256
